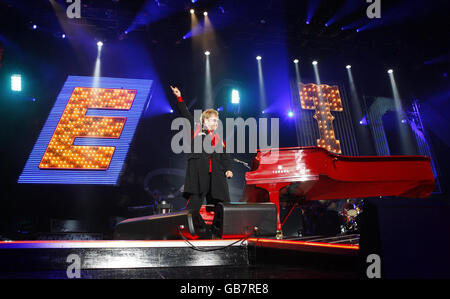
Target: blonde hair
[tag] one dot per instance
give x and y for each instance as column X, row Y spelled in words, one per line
column 207, row 114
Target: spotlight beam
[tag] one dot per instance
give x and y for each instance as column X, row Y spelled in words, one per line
column 262, row 89
column 208, row 84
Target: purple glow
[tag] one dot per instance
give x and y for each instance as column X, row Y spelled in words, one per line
column 363, row 121
column 313, row 5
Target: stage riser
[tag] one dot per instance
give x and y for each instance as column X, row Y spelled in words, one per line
column 119, row 258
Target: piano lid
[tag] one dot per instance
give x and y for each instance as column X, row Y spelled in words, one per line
column 337, row 176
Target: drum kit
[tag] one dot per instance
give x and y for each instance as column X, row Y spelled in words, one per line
column 349, row 213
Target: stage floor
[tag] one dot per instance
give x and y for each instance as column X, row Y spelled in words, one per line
column 253, row 258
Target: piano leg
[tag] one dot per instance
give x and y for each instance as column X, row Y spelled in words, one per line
column 274, row 196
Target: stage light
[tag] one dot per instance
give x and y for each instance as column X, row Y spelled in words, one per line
column 360, row 122
column 126, row 32
column 16, row 82
column 326, row 25
column 207, row 53
column 357, row 30
column 192, row 11
column 314, row 62
column 290, row 114
column 295, row 60
column 263, row 112
column 348, row 66
column 99, row 44
column 258, row 57
column 390, row 71
column 307, row 22
column 63, row 35
column 171, row 110
column 205, row 13
column 35, row 27
column 235, row 96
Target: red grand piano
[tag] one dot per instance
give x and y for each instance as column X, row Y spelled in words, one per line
column 313, row 173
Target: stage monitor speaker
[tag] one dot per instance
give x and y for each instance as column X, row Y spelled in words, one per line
column 405, row 238
column 163, row 227
column 239, row 220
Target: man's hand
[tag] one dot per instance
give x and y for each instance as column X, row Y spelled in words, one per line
column 229, row 174
column 176, row 91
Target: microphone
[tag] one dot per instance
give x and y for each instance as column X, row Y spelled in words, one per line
column 242, row 162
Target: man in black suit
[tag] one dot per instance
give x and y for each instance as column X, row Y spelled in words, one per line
column 206, row 173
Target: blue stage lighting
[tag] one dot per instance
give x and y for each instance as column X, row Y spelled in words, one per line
column 16, row 82
column 363, row 121
column 290, row 114
column 35, row 27
column 235, row 96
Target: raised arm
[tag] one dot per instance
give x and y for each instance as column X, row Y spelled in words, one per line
column 181, row 106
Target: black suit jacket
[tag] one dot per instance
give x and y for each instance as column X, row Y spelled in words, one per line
column 197, row 179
